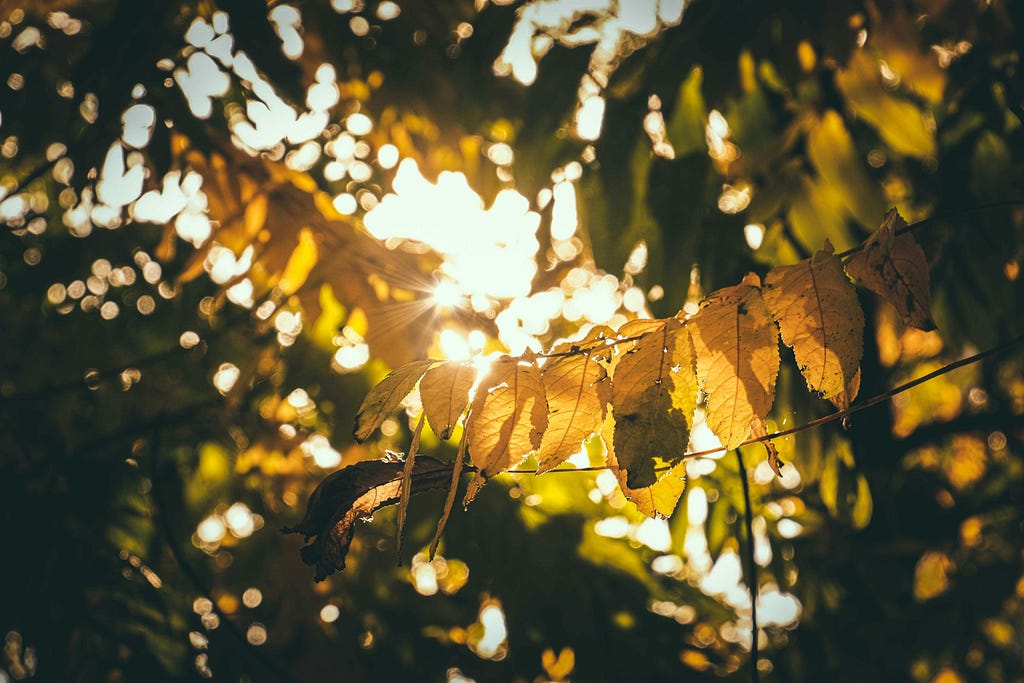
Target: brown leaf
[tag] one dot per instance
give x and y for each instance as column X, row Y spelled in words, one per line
column 894, row 268
column 353, row 493
column 820, row 317
column 508, row 417
column 657, row 500
column 386, row 396
column 758, row 429
column 654, row 394
column 844, row 399
column 444, row 391
column 737, row 348
column 453, row 489
column 575, row 408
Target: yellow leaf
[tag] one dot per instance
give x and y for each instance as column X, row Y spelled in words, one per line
column 575, row 407
column 444, row 391
column 657, row 500
column 931, row 575
column 386, row 396
column 820, row 318
column 300, row 263
column 894, row 268
column 255, row 215
column 508, row 417
column 844, row 398
column 654, row 394
column 737, row 348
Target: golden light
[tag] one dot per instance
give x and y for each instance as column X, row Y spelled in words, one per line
column 447, row 294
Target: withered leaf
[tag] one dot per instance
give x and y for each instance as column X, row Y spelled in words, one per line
column 575, row 406
column 453, row 489
column 894, row 267
column 657, row 500
column 758, row 429
column 406, row 486
column 353, row 493
column 820, row 317
column 508, row 417
column 444, row 391
column 654, row 394
column 737, row 348
column 386, row 396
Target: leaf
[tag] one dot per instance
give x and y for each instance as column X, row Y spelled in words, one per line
column 654, row 394
column 406, row 489
column 444, row 391
column 508, row 417
column 758, row 429
column 657, row 500
column 575, row 408
column 894, row 268
column 737, row 348
column 820, row 317
column 844, row 399
column 453, row 489
column 353, row 493
column 300, row 263
column 386, row 396
column 864, row 507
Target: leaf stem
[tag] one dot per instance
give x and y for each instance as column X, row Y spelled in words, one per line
column 748, row 523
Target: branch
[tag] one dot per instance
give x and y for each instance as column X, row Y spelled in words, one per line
column 748, row 522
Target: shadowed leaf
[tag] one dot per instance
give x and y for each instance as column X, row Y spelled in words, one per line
column 820, row 318
column 657, row 500
column 351, row 494
column 894, row 268
column 386, row 396
column 737, row 348
column 508, row 417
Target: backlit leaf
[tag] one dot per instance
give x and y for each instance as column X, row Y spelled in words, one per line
column 820, row 318
column 653, row 398
column 444, row 391
column 386, row 396
column 575, row 408
column 508, row 417
column 350, row 494
column 737, row 349
column 894, row 267
column 657, row 500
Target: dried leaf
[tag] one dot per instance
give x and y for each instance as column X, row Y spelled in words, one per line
column 820, row 318
column 386, row 396
column 575, row 408
column 657, row 500
column 453, row 489
column 508, row 417
column 444, row 391
column 894, row 268
column 758, row 429
column 654, row 393
column 737, row 348
column 353, row 493
column 406, row 490
column 844, row 399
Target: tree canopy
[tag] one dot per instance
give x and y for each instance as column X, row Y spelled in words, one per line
column 580, row 340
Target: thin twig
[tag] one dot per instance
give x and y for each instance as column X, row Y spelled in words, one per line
column 748, row 522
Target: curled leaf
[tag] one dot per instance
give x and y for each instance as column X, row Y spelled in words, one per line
column 737, row 348
column 353, row 493
column 654, row 395
column 406, row 488
column 386, row 396
column 453, row 489
column 894, row 267
column 758, row 429
column 820, row 318
column 575, row 406
column 508, row 417
column 444, row 391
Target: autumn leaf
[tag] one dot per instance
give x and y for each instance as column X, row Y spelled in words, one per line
column 350, row 494
column 654, row 395
column 406, row 487
column 894, row 267
column 300, row 263
column 508, row 417
column 657, row 500
column 444, row 391
column 844, row 399
column 386, row 396
column 453, row 488
column 820, row 318
column 737, row 348
column 758, row 429
column 575, row 406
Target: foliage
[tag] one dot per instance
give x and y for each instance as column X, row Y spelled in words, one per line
column 226, row 223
